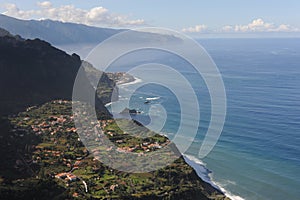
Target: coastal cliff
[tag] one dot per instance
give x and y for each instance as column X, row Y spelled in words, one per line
column 33, row 72
column 42, row 155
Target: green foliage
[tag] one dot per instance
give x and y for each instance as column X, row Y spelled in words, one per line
column 55, row 149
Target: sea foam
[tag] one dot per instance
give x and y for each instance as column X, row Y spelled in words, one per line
column 206, row 175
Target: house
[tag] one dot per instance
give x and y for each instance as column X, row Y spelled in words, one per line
column 71, row 177
column 77, row 163
column 66, row 176
column 61, row 176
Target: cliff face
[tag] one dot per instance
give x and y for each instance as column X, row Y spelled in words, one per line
column 33, row 72
column 104, row 84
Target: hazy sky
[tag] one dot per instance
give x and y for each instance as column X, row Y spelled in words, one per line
column 192, row 16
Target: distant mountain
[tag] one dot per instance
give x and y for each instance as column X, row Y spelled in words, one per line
column 34, row 72
column 55, row 32
column 59, row 33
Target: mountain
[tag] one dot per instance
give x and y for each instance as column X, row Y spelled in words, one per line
column 106, row 83
column 42, row 156
column 55, row 32
column 60, row 33
column 102, row 82
column 34, row 72
column 4, row 32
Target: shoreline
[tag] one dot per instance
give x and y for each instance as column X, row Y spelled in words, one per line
column 199, row 167
column 132, row 82
column 125, row 83
column 204, row 174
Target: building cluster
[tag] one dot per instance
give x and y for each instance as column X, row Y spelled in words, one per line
column 53, row 124
column 67, row 176
column 145, row 146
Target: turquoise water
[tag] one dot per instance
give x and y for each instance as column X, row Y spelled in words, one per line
column 258, row 153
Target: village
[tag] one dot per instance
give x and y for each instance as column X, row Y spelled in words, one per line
column 61, row 150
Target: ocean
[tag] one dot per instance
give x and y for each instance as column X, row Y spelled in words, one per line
column 258, row 153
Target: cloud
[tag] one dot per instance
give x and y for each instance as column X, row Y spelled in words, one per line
column 45, row 4
column 97, row 16
column 259, row 25
column 196, row 29
column 227, row 28
column 255, row 26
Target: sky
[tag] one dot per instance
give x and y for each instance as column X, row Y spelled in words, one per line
column 193, row 17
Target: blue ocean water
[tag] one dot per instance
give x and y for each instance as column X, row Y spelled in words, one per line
column 258, row 153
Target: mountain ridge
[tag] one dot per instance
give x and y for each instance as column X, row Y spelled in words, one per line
column 34, row 72
column 65, row 33
column 55, row 32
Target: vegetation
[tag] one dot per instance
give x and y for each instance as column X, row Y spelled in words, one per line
column 43, row 151
column 42, row 156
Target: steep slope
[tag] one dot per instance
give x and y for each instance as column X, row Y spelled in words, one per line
column 4, row 32
column 34, row 72
column 104, row 84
